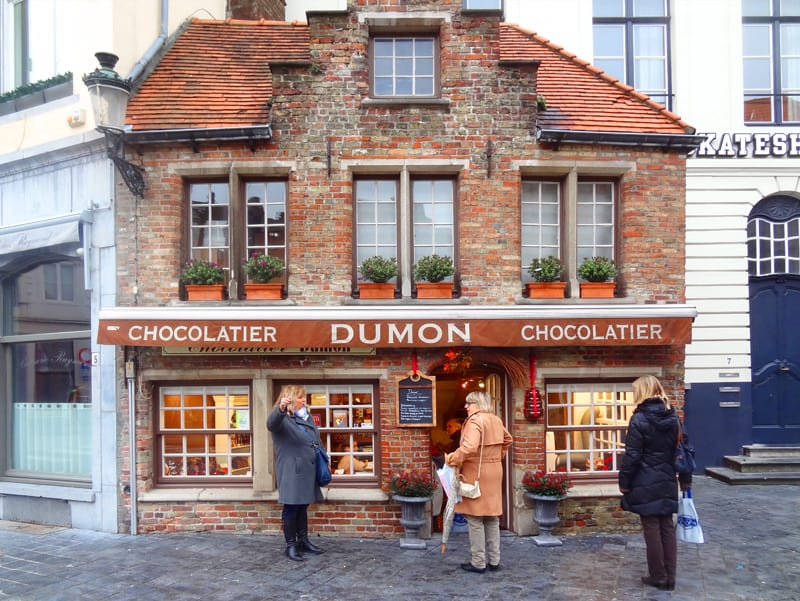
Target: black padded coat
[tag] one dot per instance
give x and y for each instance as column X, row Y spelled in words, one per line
column 648, row 468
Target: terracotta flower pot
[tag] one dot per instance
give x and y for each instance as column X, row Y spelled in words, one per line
column 376, row 290
column 597, row 289
column 546, row 289
column 205, row 292
column 268, row 291
column 434, row 290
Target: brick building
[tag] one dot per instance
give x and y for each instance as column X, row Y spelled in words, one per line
column 400, row 131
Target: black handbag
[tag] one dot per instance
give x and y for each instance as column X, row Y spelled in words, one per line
column 684, row 453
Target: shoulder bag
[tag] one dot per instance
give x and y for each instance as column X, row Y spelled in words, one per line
column 684, row 453
column 472, row 491
column 322, row 462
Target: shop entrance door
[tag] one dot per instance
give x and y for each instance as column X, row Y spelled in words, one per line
column 773, row 237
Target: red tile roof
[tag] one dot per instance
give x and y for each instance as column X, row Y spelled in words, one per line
column 217, row 74
column 581, row 97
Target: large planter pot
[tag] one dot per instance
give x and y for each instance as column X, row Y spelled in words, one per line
column 434, row 290
column 412, row 518
column 597, row 289
column 545, row 514
column 195, row 292
column 546, row 289
column 374, row 290
column 267, row 291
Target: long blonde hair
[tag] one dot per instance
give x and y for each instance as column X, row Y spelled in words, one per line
column 291, row 392
column 646, row 387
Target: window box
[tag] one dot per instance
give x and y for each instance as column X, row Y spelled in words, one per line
column 434, row 289
column 255, row 291
column 546, row 289
column 195, row 292
column 372, row 290
column 597, row 289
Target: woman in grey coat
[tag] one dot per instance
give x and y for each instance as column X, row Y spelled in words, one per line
column 294, row 435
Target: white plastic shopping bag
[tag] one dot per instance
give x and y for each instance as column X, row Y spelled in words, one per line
column 688, row 528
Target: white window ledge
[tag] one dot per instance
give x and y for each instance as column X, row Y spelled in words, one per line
column 45, row 491
column 594, row 490
column 170, row 495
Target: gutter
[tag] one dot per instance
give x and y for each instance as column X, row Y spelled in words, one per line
column 684, row 142
column 137, row 69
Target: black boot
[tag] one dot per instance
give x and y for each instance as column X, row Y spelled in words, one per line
column 302, row 536
column 292, row 548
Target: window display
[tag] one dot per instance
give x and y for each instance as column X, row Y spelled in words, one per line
column 205, row 431
column 586, row 426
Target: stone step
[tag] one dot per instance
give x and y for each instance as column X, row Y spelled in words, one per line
column 763, row 450
column 762, row 463
column 732, row 476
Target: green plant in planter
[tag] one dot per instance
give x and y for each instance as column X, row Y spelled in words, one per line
column 202, row 273
column 433, row 268
column 548, row 269
column 412, row 483
column 597, row 269
column 378, row 269
column 261, row 268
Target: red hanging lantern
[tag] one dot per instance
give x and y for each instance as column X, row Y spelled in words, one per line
column 532, row 407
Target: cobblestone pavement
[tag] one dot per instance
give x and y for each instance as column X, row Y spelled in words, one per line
column 752, row 553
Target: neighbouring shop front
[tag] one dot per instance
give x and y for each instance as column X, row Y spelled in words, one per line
column 204, row 380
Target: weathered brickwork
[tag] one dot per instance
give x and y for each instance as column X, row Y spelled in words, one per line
column 322, row 124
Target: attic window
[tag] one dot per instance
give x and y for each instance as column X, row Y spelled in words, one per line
column 405, row 66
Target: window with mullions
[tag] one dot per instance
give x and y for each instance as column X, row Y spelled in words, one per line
column 346, row 415
column 631, row 43
column 221, row 230
column 431, row 211
column 771, row 61
column 542, row 227
column 773, row 248
column 45, row 348
column 586, row 425
column 404, row 66
column 204, row 432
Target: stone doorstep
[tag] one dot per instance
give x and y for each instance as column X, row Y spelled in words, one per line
column 731, row 476
column 27, row 528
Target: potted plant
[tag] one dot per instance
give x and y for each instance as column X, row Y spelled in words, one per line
column 429, row 273
column 378, row 270
column 203, row 280
column 546, row 490
column 412, row 489
column 599, row 273
column 546, row 274
column 261, row 269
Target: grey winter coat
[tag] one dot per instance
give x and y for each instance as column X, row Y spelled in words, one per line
column 648, row 468
column 294, row 457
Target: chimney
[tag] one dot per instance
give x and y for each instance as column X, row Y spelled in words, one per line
column 253, row 10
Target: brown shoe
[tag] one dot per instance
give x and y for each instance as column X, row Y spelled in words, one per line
column 659, row 584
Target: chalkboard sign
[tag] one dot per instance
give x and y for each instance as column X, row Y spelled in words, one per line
column 416, row 401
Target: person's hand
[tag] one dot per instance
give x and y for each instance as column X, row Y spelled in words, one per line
column 624, row 490
column 284, row 404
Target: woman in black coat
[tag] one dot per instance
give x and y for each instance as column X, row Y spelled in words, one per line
column 294, row 435
column 647, row 478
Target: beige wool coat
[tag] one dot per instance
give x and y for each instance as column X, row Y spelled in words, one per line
column 488, row 428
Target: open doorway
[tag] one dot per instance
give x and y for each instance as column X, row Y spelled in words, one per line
column 452, row 388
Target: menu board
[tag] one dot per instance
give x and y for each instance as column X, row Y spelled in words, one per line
column 416, row 401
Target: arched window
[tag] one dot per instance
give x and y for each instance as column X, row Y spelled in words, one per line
column 773, row 237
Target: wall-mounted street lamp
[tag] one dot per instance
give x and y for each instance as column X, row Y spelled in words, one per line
column 109, row 94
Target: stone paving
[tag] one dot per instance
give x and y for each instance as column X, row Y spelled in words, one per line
column 752, row 553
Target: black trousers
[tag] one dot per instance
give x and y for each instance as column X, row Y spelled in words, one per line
column 662, row 546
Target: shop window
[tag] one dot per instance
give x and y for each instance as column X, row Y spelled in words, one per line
column 586, row 426
column 773, row 248
column 382, row 206
column 226, row 232
column 204, row 433
column 631, row 43
column 347, row 417
column 46, row 351
column 404, row 66
column 771, row 67
column 544, row 229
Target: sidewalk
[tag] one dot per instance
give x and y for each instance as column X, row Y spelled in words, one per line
column 752, row 553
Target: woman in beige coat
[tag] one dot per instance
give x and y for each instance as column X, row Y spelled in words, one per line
column 482, row 428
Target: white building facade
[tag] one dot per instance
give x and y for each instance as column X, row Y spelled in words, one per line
column 58, row 406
